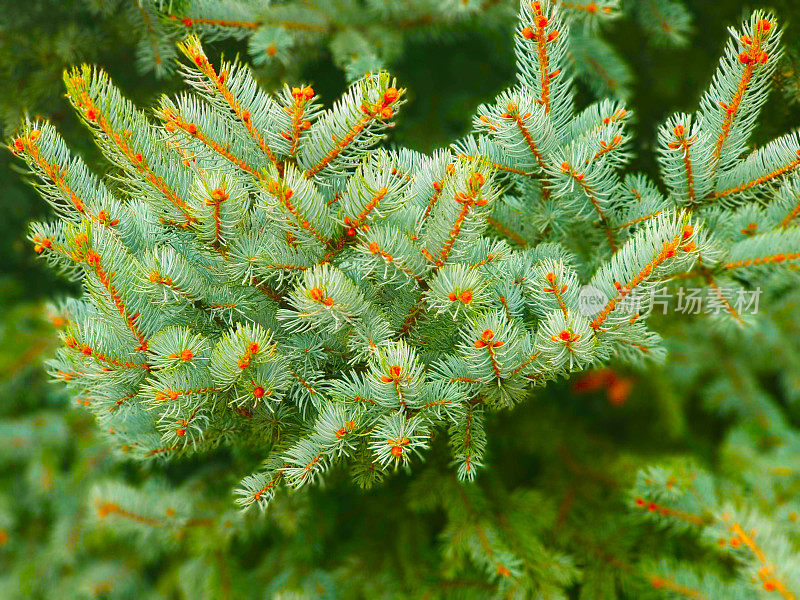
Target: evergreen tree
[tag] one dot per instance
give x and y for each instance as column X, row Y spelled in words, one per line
column 264, row 281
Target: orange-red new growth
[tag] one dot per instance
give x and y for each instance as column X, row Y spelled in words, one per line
column 258, row 392
column 318, row 295
column 219, row 194
column 394, row 374
column 390, row 95
column 486, row 340
column 397, row 448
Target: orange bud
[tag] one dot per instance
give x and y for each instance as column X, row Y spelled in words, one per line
column 541, row 21
column 186, row 354
column 466, row 296
column 373, row 247
column 452, row 296
column 35, row 135
column 245, row 115
column 258, row 392
column 390, row 95
column 552, row 35
column 272, row 49
column 527, row 33
column 180, row 432
column 763, row 26
column 744, row 58
column 386, row 113
column 396, row 451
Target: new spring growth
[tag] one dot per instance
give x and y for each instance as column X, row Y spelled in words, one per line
column 244, row 361
column 486, row 340
column 383, row 107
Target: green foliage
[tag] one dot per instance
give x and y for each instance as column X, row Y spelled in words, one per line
column 264, row 283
